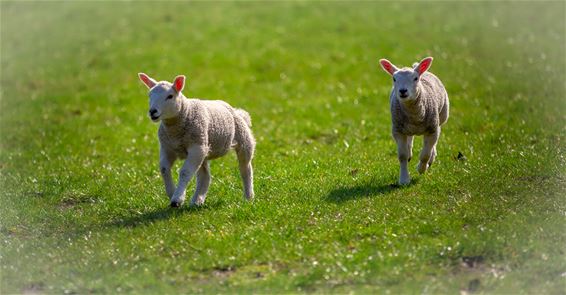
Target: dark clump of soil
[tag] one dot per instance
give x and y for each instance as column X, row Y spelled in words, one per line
column 461, row 157
column 473, row 286
column 472, row 261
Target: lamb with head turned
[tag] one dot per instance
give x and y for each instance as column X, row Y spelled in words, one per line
column 197, row 131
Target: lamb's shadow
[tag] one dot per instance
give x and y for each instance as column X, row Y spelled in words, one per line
column 161, row 213
column 366, row 190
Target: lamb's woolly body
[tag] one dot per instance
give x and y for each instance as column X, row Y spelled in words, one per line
column 423, row 114
column 212, row 124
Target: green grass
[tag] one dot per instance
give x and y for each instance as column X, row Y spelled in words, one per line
column 83, row 208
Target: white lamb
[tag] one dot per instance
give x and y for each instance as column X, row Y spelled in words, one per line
column 197, row 131
column 419, row 106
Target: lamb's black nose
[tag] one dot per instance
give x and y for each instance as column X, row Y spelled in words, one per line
column 152, row 112
column 403, row 91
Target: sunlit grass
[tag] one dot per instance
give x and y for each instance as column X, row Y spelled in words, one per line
column 83, row 206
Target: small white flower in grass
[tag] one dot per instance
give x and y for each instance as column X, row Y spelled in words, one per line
column 544, row 256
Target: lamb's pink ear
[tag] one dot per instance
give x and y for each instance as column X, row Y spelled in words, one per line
column 388, row 66
column 179, row 83
column 147, row 80
column 424, row 65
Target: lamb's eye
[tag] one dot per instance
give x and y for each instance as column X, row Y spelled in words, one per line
column 416, row 78
column 394, row 80
column 170, row 96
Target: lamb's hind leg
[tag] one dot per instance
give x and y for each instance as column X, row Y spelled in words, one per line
column 245, row 147
column 203, row 182
column 246, row 171
column 410, row 147
column 433, row 153
column 429, row 151
column 432, row 156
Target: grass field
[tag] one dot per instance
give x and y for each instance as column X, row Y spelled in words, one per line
column 83, row 208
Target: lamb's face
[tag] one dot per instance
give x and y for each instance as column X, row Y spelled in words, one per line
column 163, row 101
column 163, row 96
column 405, row 82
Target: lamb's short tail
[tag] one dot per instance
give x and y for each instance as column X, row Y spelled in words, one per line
column 244, row 115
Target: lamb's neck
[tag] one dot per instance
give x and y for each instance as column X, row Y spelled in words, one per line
column 414, row 108
column 174, row 123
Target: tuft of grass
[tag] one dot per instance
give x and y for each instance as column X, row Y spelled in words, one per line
column 83, row 206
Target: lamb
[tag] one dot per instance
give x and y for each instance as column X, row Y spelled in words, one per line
column 197, row 131
column 419, row 106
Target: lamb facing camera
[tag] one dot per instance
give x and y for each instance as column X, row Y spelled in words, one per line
column 419, row 106
column 197, row 131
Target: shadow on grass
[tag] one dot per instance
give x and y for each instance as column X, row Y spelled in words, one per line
column 161, row 214
column 366, row 190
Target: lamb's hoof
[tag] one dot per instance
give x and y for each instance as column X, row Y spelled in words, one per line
column 404, row 181
column 196, row 204
column 249, row 198
column 176, row 204
column 421, row 168
column 197, row 201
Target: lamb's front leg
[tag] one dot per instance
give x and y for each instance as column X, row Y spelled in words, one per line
column 195, row 157
column 428, row 151
column 403, row 154
column 166, row 160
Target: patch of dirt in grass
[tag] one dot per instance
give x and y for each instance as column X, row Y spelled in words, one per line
column 324, row 137
column 71, row 200
column 238, row 275
column 460, row 157
column 472, row 261
column 33, row 288
column 475, row 270
column 37, row 194
column 534, row 178
column 354, row 172
column 344, row 194
column 20, row 231
column 223, row 272
column 473, row 287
